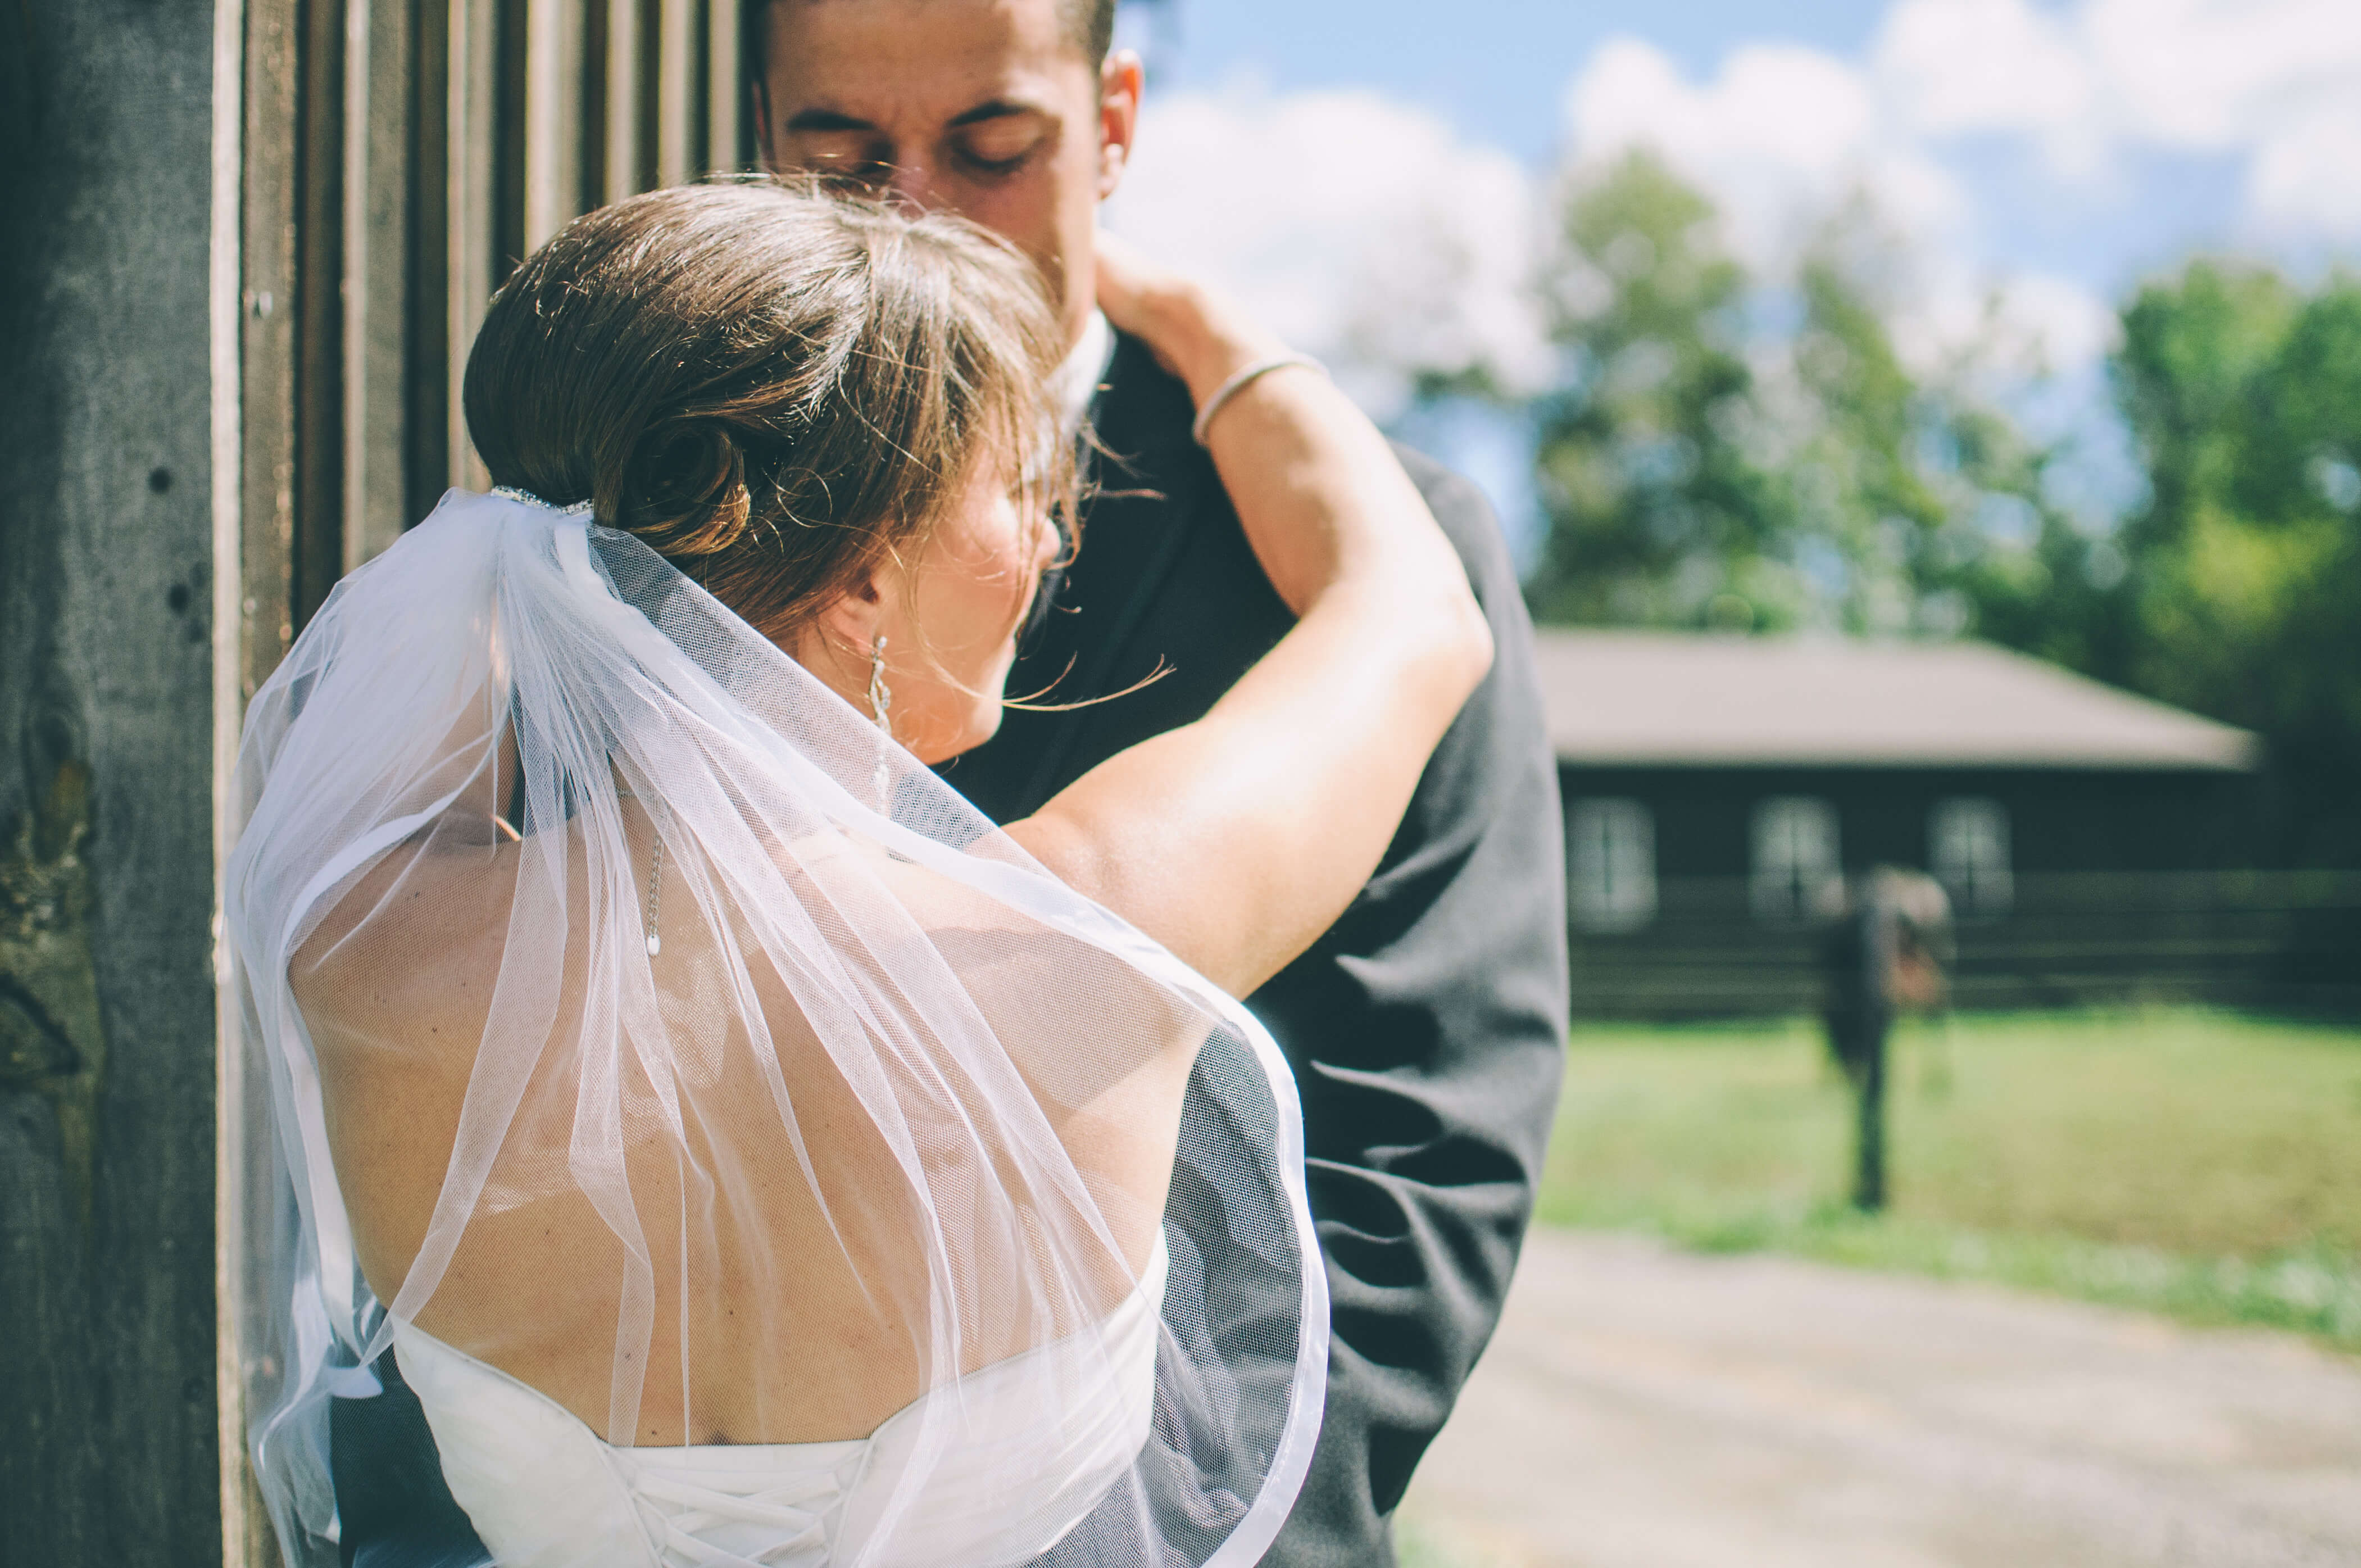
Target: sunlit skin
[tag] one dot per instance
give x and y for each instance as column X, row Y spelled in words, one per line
column 985, row 108
column 949, row 617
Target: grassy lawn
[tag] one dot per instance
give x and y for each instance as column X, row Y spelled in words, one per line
column 2202, row 1164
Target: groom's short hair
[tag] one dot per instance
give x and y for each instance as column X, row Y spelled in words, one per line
column 1090, row 27
column 1088, row 24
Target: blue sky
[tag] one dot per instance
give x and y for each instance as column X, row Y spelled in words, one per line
column 1496, row 68
column 1346, row 164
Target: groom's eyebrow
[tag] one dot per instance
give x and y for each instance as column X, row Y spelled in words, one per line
column 836, row 120
column 826, row 120
column 997, row 109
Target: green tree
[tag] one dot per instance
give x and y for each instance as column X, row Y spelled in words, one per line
column 1863, row 507
column 1699, row 470
column 2243, row 600
column 1654, row 505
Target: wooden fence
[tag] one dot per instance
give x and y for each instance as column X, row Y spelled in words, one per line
column 2266, row 939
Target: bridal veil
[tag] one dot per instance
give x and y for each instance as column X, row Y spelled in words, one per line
column 626, row 1011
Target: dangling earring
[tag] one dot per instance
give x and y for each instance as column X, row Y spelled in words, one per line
column 880, row 703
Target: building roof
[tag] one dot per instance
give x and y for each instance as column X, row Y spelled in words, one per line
column 1692, row 699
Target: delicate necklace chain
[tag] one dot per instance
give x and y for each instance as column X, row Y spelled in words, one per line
column 655, row 879
column 655, row 895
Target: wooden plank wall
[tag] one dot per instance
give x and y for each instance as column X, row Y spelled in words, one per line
column 400, row 158
column 403, row 157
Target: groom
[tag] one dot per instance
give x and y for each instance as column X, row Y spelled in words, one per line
column 1425, row 1028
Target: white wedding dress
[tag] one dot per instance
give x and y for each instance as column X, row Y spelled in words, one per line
column 616, row 996
column 543, row 1491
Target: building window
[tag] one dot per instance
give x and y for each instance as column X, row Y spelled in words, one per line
column 1611, row 847
column 1968, row 848
column 1794, row 856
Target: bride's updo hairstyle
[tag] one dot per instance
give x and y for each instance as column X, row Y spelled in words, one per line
column 777, row 387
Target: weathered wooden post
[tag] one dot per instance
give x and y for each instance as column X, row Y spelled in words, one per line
column 109, row 1447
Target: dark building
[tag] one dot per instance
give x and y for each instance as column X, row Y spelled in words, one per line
column 2096, row 846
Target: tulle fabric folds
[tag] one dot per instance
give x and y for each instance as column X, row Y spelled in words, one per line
column 631, row 1025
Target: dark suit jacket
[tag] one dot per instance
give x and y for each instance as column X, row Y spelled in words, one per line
column 1426, row 1029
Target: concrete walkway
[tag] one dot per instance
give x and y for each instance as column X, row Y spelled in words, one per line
column 1643, row 1408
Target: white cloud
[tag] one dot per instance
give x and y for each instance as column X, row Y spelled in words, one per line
column 2273, row 82
column 2306, row 177
column 1780, row 138
column 1967, row 67
column 1780, row 134
column 2220, row 75
column 1360, row 228
column 1980, row 65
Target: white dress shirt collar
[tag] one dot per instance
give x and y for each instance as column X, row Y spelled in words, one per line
column 1076, row 380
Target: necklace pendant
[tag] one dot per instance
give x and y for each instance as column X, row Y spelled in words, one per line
column 656, row 943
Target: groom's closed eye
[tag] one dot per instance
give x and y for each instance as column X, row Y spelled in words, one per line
column 991, row 141
column 1000, row 143
column 829, row 143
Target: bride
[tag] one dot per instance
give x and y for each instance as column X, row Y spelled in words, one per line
column 747, row 1153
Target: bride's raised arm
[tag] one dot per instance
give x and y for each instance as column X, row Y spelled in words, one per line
column 1236, row 840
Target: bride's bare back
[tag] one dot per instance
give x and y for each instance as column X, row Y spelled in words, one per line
column 818, row 1301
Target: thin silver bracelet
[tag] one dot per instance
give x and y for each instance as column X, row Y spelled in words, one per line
column 1237, row 383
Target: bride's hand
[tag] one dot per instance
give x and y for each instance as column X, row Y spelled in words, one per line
column 1126, row 280
column 1203, row 339
column 1195, row 334
column 1236, row 839
column 1323, row 499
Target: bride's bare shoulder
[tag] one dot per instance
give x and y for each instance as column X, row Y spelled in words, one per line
column 414, row 936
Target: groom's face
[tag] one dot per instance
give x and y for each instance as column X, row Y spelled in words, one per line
column 987, row 109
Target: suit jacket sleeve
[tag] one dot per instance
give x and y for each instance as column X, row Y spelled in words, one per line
column 1427, row 1031
column 1426, row 1027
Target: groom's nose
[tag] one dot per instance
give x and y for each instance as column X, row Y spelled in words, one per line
column 914, row 180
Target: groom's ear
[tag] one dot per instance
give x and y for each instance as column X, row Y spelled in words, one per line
column 1121, row 82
